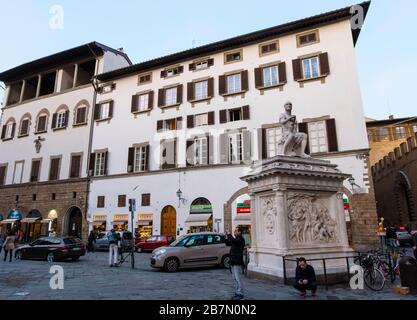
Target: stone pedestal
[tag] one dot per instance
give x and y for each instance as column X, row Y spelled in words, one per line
column 297, row 212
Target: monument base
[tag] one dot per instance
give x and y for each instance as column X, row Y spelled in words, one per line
column 297, row 212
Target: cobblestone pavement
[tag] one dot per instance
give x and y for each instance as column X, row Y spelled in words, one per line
column 91, row 278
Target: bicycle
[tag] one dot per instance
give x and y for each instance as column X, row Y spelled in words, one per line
column 130, row 253
column 373, row 277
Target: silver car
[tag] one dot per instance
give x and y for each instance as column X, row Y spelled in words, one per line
column 192, row 250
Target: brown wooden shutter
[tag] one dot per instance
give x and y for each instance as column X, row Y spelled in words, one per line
column 106, row 162
column 245, row 113
column 210, row 62
column 264, row 145
column 180, row 69
column 244, row 79
column 2, row 175
column 224, row 148
column 258, row 78
column 135, row 103
column 3, row 132
column 210, row 149
column 13, row 129
column 34, row 175
column 190, row 91
column 331, row 135
column 159, row 125
column 223, row 116
column 163, row 73
column 324, row 63
column 131, row 159
column 282, row 72
column 222, row 85
column 150, row 100
column 92, row 164
column 66, row 118
column 111, row 104
column 179, row 123
column 297, row 70
column 303, row 127
column 113, row 86
column 54, row 118
column 179, row 93
column 190, row 153
column 210, row 116
column 210, row 87
column 161, row 97
column 97, row 112
column 25, row 127
column 191, row 66
column 147, row 157
column 190, row 121
column 75, row 166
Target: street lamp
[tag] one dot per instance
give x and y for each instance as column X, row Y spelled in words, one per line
column 352, row 183
column 180, row 198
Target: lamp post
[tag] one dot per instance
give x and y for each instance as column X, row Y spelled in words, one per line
column 180, row 198
column 352, row 183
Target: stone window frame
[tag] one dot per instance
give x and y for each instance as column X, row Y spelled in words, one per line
column 26, row 116
column 79, row 105
column 81, row 163
column 59, row 167
column 150, row 73
column 14, row 171
column 63, row 108
column 225, row 54
column 316, row 31
column 267, row 43
column 43, row 112
column 4, row 165
column 172, row 67
column 31, row 168
column 10, row 120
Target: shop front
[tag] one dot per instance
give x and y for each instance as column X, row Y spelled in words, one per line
column 32, row 226
column 12, row 222
column 99, row 224
column 201, row 216
column 50, row 224
column 144, row 226
column 120, row 222
column 242, row 217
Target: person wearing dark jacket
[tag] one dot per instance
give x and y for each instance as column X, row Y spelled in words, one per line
column 305, row 278
column 91, row 240
column 237, row 244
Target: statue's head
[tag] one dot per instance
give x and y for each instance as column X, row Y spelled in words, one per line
column 288, row 106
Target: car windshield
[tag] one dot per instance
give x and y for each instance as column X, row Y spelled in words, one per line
column 180, row 241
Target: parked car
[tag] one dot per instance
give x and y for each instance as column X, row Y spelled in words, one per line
column 51, row 249
column 192, row 250
column 153, row 243
column 404, row 236
column 102, row 243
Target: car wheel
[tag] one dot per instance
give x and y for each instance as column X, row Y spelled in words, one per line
column 18, row 255
column 75, row 258
column 226, row 262
column 171, row 264
column 50, row 257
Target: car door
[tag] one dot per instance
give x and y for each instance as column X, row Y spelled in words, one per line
column 194, row 251
column 30, row 251
column 215, row 248
column 47, row 245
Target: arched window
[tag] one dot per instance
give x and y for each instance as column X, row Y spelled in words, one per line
column 25, row 125
column 60, row 118
column 42, row 121
column 7, row 132
column 81, row 112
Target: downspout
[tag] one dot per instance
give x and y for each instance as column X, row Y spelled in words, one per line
column 90, row 138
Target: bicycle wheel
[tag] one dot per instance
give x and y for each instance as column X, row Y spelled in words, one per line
column 374, row 279
column 132, row 260
column 385, row 269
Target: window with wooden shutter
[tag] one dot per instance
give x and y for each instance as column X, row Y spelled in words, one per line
column 190, row 152
column 169, row 154
column 75, row 170
column 97, row 112
column 222, row 85
column 179, row 93
column 111, row 106
column 100, row 201
column 54, row 120
column 170, row 72
column 223, row 116
column 121, row 201
column 24, row 128
column 41, row 124
column 297, row 70
column 147, row 148
column 134, row 105
column 245, row 82
column 190, row 91
column 190, row 121
column 146, row 200
column 302, row 127
column 307, row 38
column 130, row 159
column 91, row 164
column 145, row 78
column 150, row 100
column 35, row 170
column 259, row 83
column 245, row 113
column 161, row 97
column 3, row 132
column 211, row 118
column 159, row 125
column 324, row 64
column 54, row 169
column 233, row 56
column 81, row 115
column 3, row 170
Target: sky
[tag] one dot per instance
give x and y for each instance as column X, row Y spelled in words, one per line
column 386, row 51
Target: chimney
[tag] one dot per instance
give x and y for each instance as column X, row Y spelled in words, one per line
column 391, row 117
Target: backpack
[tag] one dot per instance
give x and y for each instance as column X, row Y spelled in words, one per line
column 112, row 238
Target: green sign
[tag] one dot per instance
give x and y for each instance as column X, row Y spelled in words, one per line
column 202, row 208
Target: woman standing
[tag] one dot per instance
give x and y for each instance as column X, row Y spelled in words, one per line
column 9, row 246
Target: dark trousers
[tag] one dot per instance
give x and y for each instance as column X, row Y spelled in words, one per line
column 304, row 287
column 10, row 252
column 90, row 246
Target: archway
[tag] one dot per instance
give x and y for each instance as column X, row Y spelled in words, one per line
column 227, row 208
column 169, row 221
column 75, row 222
column 32, row 226
column 404, row 199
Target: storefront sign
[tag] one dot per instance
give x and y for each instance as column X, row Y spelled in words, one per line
column 243, row 207
column 145, row 216
column 99, row 217
column 201, row 208
column 121, row 217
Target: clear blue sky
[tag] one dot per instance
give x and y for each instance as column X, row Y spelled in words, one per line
column 386, row 51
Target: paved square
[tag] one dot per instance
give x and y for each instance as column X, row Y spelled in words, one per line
column 91, row 278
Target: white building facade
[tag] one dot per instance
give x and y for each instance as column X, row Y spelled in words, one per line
column 195, row 121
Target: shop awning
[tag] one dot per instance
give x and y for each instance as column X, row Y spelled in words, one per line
column 197, row 220
column 15, row 215
column 46, row 220
column 30, row 220
column 243, row 218
column 98, row 223
column 8, row 221
column 143, row 222
column 119, row 222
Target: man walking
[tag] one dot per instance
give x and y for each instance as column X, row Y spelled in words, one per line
column 91, row 241
column 237, row 245
column 113, row 249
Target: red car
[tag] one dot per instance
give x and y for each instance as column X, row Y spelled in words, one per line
column 153, row 243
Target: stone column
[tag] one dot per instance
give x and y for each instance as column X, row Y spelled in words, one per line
column 341, row 221
column 282, row 223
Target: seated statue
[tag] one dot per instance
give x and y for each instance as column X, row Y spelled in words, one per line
column 292, row 142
